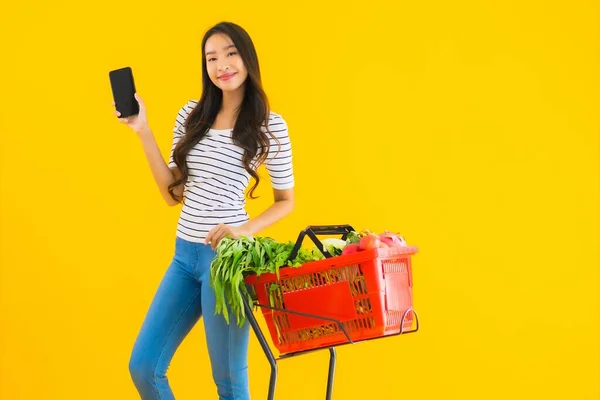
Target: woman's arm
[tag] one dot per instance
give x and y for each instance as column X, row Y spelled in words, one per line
column 283, row 205
column 163, row 175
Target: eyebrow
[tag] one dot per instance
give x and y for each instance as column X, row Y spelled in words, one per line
column 225, row 48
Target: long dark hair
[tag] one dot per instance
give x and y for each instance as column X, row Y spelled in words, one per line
column 253, row 113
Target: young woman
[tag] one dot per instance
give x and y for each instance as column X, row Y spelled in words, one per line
column 218, row 143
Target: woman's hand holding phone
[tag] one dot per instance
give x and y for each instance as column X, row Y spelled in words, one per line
column 138, row 122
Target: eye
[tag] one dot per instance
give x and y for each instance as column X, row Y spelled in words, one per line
column 233, row 53
column 211, row 59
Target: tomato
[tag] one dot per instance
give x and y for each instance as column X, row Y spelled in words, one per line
column 351, row 248
column 369, row 242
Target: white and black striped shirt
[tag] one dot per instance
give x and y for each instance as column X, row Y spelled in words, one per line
column 214, row 191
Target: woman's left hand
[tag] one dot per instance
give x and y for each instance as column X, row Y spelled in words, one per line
column 220, row 231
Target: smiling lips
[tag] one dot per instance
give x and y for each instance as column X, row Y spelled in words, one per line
column 226, row 77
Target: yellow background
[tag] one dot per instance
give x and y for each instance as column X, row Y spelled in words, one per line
column 471, row 128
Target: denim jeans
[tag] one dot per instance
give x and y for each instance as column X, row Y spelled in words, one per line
column 183, row 296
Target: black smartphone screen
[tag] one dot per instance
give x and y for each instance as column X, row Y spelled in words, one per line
column 123, row 89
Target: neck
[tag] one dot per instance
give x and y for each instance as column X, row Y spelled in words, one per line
column 232, row 101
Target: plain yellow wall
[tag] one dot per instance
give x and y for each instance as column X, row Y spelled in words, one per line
column 472, row 129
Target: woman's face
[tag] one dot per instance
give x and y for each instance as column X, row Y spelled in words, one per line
column 224, row 63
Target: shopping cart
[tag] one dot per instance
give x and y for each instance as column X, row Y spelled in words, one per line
column 332, row 302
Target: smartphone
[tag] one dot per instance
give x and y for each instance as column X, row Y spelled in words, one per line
column 123, row 90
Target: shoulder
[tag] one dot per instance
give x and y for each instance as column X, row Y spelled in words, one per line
column 275, row 118
column 187, row 108
column 182, row 114
column 277, row 124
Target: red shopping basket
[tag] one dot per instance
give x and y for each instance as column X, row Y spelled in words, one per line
column 368, row 292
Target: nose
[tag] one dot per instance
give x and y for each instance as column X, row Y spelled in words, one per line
column 223, row 67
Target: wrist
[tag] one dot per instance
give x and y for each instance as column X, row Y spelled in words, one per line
column 144, row 132
column 247, row 230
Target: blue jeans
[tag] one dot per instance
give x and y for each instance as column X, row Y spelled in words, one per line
column 183, row 296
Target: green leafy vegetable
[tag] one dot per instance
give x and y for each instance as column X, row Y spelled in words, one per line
column 237, row 258
column 334, row 246
column 353, row 237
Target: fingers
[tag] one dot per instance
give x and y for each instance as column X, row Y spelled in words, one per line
column 139, row 100
column 215, row 235
column 117, row 113
column 210, row 235
column 215, row 243
column 128, row 120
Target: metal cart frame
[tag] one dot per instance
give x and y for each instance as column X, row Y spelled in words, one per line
column 311, row 231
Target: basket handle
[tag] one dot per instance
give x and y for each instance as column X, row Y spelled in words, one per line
column 313, row 230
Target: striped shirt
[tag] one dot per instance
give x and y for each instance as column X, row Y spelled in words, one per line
column 217, row 181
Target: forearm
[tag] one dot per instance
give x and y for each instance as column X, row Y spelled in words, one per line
column 163, row 175
column 277, row 211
